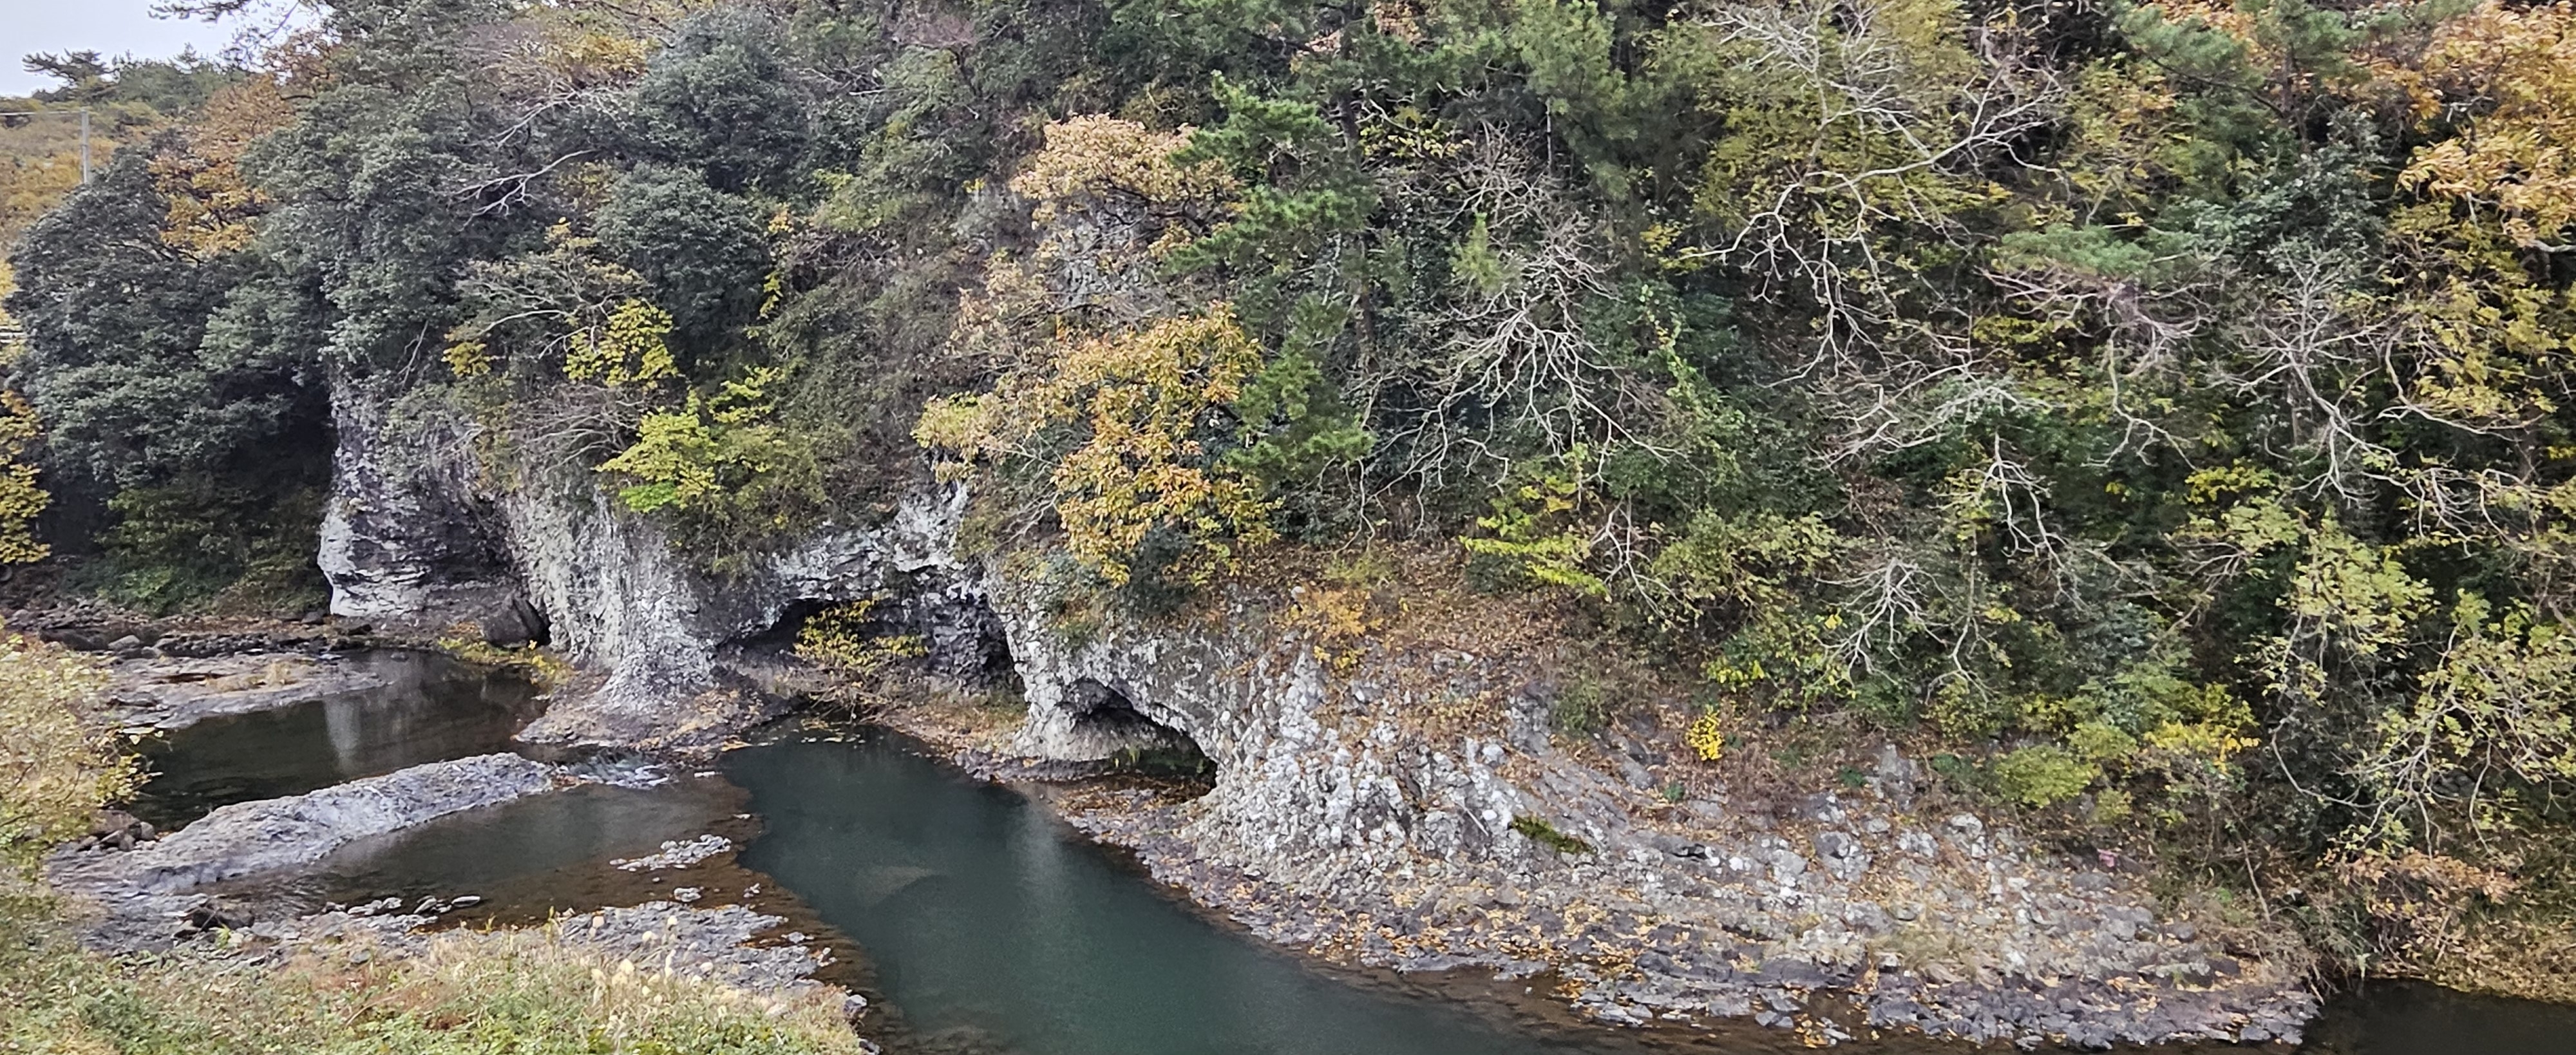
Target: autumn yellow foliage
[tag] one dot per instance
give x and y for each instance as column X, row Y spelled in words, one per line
column 211, row 202
column 632, row 348
column 1140, row 402
column 58, row 762
column 1706, row 736
column 20, row 499
column 1096, row 157
column 2506, row 75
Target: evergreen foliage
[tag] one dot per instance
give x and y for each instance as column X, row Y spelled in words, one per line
column 2162, row 407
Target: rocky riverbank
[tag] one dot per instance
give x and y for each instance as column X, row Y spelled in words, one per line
column 726, row 944
column 1389, row 784
column 141, row 897
column 1416, row 811
column 173, row 693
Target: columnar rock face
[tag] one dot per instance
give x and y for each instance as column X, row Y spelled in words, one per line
column 408, row 540
column 1381, row 817
column 1303, row 779
column 421, row 537
column 1413, row 807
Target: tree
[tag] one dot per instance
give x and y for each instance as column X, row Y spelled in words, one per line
column 699, row 250
column 85, row 76
column 118, row 364
column 719, row 99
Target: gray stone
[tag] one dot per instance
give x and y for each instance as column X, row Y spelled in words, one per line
column 251, row 838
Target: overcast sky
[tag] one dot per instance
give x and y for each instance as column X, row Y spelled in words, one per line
column 109, row 27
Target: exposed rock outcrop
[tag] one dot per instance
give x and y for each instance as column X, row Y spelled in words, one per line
column 420, row 538
column 177, row 693
column 1362, row 810
column 409, row 537
column 1411, row 808
column 142, row 890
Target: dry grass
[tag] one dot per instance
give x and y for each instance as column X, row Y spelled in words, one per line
column 504, row 991
column 59, row 760
column 521, row 992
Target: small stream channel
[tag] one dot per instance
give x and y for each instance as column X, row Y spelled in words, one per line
column 427, row 708
column 979, row 922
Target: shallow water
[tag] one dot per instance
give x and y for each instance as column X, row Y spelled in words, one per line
column 982, row 924
column 535, row 855
column 432, row 709
column 995, row 927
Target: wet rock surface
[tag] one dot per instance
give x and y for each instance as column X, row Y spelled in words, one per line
column 139, row 893
column 90, row 626
column 173, row 693
column 676, row 854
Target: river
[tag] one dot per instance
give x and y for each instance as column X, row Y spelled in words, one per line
column 979, row 922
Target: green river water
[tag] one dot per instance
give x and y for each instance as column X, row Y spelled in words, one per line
column 979, row 922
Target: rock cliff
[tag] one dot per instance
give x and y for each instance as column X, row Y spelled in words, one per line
column 424, row 534
column 1369, row 806
column 1407, row 805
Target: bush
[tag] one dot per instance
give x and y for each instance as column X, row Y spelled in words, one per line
column 1541, row 832
column 58, row 760
column 1138, row 475
column 204, row 543
column 2042, row 775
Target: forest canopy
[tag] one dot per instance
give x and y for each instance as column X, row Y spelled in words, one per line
column 2165, row 407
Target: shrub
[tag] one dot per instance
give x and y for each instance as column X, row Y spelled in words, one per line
column 1706, row 736
column 58, row 761
column 844, row 640
column 1541, row 832
column 1140, row 468
column 20, row 499
column 1582, row 707
column 2042, row 775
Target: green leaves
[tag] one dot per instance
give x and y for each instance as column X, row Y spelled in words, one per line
column 709, row 451
column 718, row 99
column 1537, row 532
column 700, row 251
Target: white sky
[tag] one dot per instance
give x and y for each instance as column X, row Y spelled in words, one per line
column 109, row 27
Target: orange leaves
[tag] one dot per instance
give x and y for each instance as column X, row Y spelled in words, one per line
column 211, row 203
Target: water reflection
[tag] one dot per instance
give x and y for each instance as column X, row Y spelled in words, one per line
column 2409, row 1018
column 995, row 928
column 532, row 857
column 431, row 709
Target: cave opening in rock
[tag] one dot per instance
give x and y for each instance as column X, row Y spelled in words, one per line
column 938, row 628
column 968, row 642
column 1145, row 747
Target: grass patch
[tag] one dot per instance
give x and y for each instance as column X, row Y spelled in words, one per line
column 547, row 670
column 523, row 992
column 1541, row 832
